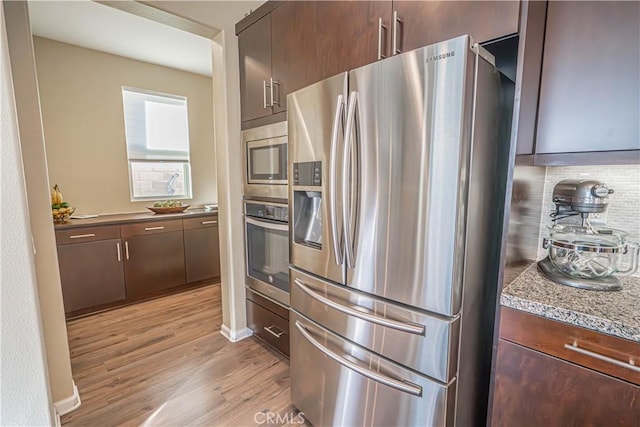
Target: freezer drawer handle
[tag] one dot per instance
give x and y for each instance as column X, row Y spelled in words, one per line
column 628, row 365
column 393, row 324
column 400, row 385
column 275, row 334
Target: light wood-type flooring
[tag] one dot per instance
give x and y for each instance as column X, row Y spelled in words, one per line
column 164, row 363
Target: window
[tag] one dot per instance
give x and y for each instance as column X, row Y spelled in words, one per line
column 157, row 134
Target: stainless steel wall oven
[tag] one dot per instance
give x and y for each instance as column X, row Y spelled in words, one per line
column 267, row 248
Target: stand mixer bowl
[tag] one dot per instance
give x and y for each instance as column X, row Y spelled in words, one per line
column 588, row 253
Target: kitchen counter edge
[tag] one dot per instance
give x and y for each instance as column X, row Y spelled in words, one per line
column 614, row 313
column 116, row 219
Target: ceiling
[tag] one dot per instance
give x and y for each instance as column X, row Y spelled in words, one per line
column 96, row 26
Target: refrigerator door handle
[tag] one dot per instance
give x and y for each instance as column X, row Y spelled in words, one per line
column 333, row 177
column 347, row 170
column 404, row 386
column 379, row 320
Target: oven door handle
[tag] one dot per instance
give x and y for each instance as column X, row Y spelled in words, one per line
column 267, row 224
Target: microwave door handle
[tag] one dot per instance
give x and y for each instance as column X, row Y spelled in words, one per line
column 347, row 165
column 267, row 225
column 333, row 177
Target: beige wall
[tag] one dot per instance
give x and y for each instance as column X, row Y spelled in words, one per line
column 80, row 92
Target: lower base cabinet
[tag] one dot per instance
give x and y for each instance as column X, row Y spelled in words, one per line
column 535, row 389
column 269, row 322
column 111, row 264
column 91, row 274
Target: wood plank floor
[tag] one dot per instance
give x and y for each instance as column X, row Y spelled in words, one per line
column 164, row 363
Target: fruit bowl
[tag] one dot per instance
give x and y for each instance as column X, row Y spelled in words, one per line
column 60, row 215
column 166, row 210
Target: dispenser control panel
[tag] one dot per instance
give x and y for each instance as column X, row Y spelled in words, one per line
column 308, row 174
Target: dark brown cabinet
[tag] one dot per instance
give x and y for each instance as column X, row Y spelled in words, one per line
column 269, row 322
column 201, row 249
column 590, row 90
column 277, row 57
column 555, row 374
column 103, row 266
column 534, row 389
column 285, row 46
column 254, row 45
column 421, row 23
column 90, row 272
column 154, row 257
column 351, row 34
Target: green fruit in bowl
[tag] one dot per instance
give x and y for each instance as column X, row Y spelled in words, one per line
column 64, row 205
column 56, row 206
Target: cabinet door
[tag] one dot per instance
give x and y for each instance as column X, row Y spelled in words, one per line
column 590, row 91
column 153, row 262
column 533, row 389
column 91, row 274
column 202, row 253
column 293, row 49
column 348, row 34
column 422, row 23
column 254, row 45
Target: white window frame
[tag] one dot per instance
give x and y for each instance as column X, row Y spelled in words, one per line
column 138, row 152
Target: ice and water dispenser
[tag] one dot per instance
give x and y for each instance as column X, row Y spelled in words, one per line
column 307, row 203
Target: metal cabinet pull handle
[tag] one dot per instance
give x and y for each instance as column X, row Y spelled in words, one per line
column 400, row 385
column 629, row 365
column 119, row 251
column 379, row 320
column 264, row 94
column 208, row 222
column 275, row 334
column 381, row 28
column 153, row 228
column 273, row 100
column 394, row 36
column 126, row 250
column 81, row 236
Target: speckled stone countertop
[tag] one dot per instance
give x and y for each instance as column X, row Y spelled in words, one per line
column 615, row 313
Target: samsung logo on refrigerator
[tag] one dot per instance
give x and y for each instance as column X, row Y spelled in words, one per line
column 439, row 57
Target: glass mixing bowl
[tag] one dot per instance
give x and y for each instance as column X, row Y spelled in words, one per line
column 590, row 253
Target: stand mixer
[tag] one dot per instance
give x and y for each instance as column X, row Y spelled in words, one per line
column 584, row 256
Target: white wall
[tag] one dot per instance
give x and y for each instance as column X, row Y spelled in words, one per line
column 223, row 15
column 32, row 147
column 24, row 393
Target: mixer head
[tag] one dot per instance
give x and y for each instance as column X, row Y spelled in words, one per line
column 582, row 196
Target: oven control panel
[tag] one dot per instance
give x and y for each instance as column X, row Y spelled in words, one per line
column 267, row 211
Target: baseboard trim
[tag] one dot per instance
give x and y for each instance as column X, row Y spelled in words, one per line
column 68, row 404
column 235, row 336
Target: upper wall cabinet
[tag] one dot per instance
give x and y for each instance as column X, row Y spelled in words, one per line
column 254, row 45
column 420, row 23
column 590, row 90
column 277, row 57
column 285, row 46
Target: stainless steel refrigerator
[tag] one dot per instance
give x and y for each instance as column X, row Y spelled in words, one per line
column 396, row 184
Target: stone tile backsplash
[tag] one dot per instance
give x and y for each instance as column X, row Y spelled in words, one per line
column 624, row 204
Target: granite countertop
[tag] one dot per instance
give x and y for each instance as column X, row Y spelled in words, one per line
column 135, row 217
column 615, row 313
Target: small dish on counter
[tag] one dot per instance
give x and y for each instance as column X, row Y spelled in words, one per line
column 168, row 210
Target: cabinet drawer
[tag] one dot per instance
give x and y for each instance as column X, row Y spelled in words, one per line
column 205, row 221
column 87, row 234
column 271, row 328
column 610, row 355
column 153, row 227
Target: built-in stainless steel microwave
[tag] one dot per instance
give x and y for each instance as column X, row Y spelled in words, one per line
column 265, row 165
